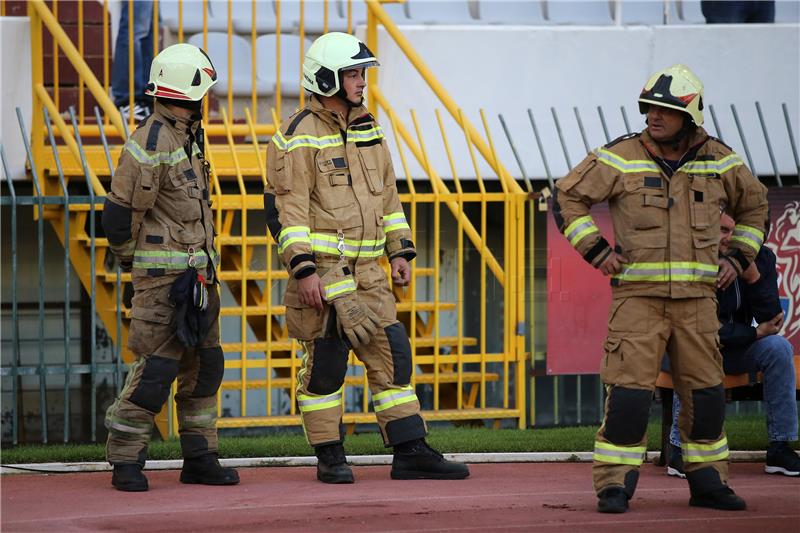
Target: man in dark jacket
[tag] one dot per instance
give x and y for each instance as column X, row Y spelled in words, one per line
column 746, row 348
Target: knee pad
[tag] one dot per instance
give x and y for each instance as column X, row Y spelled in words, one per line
column 627, row 416
column 709, row 413
column 153, row 388
column 401, row 353
column 329, row 365
column 211, row 363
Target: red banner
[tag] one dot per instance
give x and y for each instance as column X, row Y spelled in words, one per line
column 578, row 296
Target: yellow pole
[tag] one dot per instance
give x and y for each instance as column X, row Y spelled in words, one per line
column 372, row 44
column 302, row 51
column 37, row 77
column 106, row 54
column 155, row 32
column 278, row 58
column 81, row 111
column 253, row 63
column 56, row 89
column 180, row 21
column 130, row 64
column 46, row 16
column 230, row 64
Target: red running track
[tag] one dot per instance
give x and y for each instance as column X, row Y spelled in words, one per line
column 497, row 497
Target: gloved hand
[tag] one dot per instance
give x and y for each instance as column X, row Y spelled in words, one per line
column 354, row 319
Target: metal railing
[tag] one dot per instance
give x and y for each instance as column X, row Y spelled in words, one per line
column 462, row 373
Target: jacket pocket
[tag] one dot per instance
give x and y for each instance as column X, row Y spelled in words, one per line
column 613, row 366
column 641, row 204
column 371, row 169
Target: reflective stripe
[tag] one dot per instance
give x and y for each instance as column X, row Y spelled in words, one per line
column 624, row 165
column 157, row 158
column 200, row 419
column 579, row 229
column 340, row 287
column 325, row 141
column 291, row 235
column 307, row 141
column 309, row 403
column 748, row 235
column 321, row 242
column 622, row 455
column 365, row 135
column 705, row 453
column 126, row 426
column 669, row 271
column 712, row 167
column 393, row 397
column 170, row 259
column 394, row 222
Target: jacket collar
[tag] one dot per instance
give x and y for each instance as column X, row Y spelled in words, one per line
column 333, row 118
column 183, row 126
column 697, row 139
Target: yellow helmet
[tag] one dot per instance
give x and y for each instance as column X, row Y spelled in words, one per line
column 330, row 54
column 675, row 87
column 181, row 72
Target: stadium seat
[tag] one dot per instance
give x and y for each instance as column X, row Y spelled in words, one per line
column 453, row 12
column 643, row 12
column 689, row 12
column 313, row 16
column 243, row 16
column 217, row 19
column 521, row 12
column 290, row 62
column 242, row 64
column 584, row 13
column 787, row 11
column 396, row 11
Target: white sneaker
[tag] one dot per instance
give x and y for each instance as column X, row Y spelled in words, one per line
column 140, row 112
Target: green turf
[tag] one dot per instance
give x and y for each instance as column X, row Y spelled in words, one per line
column 744, row 433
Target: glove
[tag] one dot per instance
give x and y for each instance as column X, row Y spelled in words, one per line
column 353, row 318
column 189, row 296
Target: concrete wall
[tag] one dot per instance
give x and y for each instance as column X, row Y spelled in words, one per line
column 15, row 89
column 510, row 69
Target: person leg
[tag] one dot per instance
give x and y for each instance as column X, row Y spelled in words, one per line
column 130, row 418
column 697, row 372
column 727, row 12
column 761, row 12
column 675, row 462
column 199, row 378
column 772, row 355
column 119, row 68
column 633, row 352
column 143, row 52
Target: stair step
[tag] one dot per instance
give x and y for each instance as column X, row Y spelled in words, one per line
column 286, row 345
column 419, row 379
column 367, row 418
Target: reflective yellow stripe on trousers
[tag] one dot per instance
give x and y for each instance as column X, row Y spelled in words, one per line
column 308, row 403
column 705, row 453
column 622, row 455
column 393, row 397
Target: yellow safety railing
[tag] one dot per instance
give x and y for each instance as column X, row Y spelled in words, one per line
column 470, row 373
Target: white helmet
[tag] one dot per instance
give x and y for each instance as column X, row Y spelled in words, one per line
column 675, row 87
column 181, row 72
column 328, row 56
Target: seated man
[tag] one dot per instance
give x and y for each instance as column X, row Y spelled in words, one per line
column 753, row 298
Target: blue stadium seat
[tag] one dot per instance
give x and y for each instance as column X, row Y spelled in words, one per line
column 522, row 12
column 192, row 16
column 313, row 16
column 242, row 64
column 689, row 12
column 644, row 12
column 787, row 11
column 243, row 16
column 396, row 11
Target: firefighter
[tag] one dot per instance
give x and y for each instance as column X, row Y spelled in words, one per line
column 333, row 209
column 664, row 187
column 159, row 225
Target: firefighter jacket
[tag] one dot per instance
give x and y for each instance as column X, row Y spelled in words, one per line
column 331, row 189
column 158, row 214
column 666, row 223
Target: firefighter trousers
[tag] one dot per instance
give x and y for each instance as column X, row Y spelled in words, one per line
column 386, row 358
column 640, row 331
column 160, row 359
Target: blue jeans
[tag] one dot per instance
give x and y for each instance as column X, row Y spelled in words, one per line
column 142, row 52
column 736, row 11
column 772, row 356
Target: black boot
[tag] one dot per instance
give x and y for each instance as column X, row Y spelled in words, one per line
column 129, row 478
column 708, row 490
column 206, row 470
column 417, row 460
column 612, row 500
column 332, row 464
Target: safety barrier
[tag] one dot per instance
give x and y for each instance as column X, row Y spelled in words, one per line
column 461, row 373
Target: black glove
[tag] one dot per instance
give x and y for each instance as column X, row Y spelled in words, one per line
column 189, row 296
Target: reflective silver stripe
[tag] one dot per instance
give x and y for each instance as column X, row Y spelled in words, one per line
column 321, row 242
column 377, row 402
column 712, row 167
column 365, row 135
column 168, row 259
column 308, row 141
column 141, row 155
column 623, row 165
column 119, row 426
